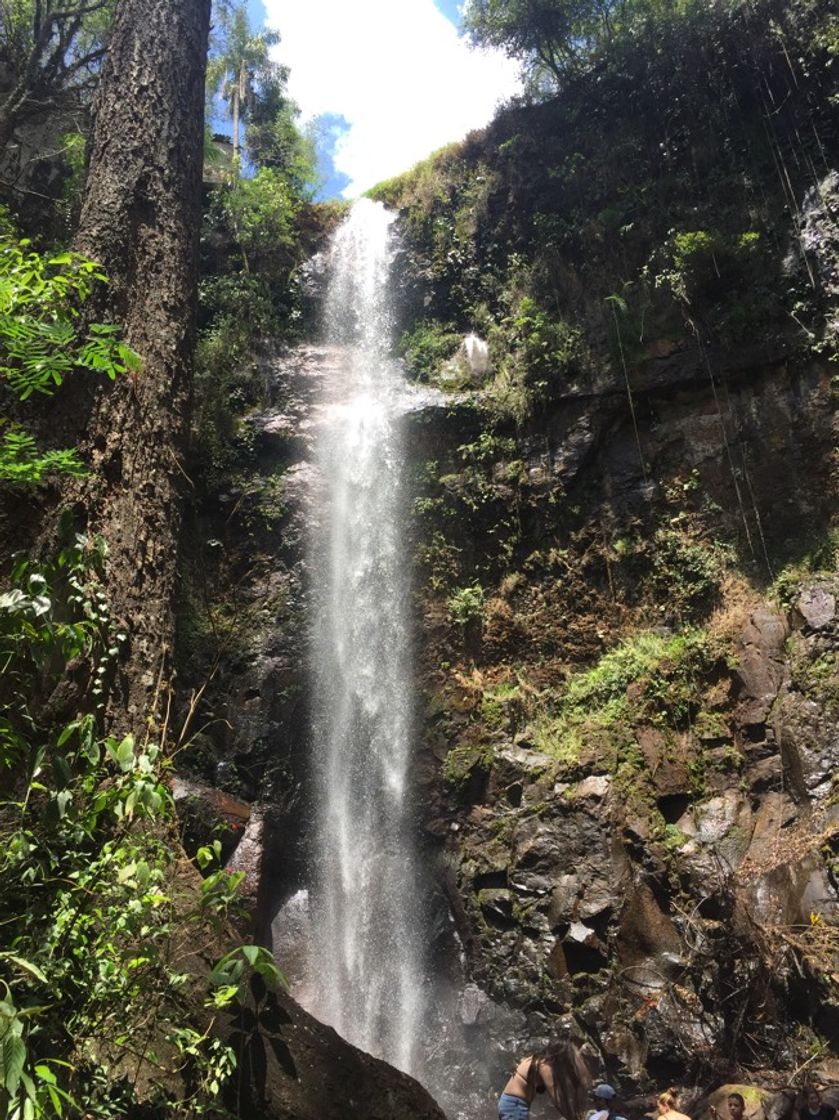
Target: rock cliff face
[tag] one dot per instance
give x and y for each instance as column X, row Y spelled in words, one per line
column 626, row 585
column 659, row 867
column 656, row 855
column 649, row 839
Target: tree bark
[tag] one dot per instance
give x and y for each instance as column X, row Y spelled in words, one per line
column 141, row 220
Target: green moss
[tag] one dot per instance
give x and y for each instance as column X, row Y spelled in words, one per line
column 817, row 677
column 711, row 725
column 427, row 346
column 462, row 761
column 821, row 557
column 674, row 838
column 650, row 678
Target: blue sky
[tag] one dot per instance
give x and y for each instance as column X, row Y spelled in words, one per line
column 389, row 81
column 449, row 8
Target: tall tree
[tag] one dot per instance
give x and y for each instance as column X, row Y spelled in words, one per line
column 141, row 219
column 553, row 38
column 241, row 63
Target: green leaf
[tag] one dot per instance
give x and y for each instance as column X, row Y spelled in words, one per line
column 14, row 1059
column 55, row 1099
column 27, row 966
column 61, row 771
column 125, row 753
column 67, row 732
column 62, row 800
column 251, row 954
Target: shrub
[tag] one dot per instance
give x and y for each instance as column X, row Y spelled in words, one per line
column 649, row 678
column 103, row 976
column 427, row 346
column 41, row 298
column 466, row 605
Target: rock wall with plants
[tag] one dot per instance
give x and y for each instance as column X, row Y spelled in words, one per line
column 625, row 543
column 623, row 302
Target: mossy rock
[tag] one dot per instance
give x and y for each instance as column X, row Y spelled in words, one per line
column 756, row 1099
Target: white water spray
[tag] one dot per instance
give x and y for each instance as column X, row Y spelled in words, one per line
column 366, row 974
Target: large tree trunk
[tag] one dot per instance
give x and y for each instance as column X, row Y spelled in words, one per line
column 141, row 220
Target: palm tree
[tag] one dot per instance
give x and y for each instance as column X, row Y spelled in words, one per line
column 241, row 63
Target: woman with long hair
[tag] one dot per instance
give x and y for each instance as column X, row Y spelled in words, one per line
column 559, row 1071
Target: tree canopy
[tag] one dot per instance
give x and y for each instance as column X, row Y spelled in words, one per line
column 241, row 64
column 50, row 51
column 553, row 38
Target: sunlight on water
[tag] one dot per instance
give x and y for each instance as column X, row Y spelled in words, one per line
column 366, row 972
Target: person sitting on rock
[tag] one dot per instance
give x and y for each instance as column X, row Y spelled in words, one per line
column 666, row 1106
column 736, row 1107
column 814, row 1107
column 558, row 1071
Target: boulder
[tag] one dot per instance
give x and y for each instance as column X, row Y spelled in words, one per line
column 817, row 607
column 809, row 741
column 291, row 1067
column 757, row 1102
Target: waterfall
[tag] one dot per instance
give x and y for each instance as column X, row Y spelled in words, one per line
column 366, row 970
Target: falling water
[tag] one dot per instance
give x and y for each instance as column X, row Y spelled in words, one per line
column 367, row 954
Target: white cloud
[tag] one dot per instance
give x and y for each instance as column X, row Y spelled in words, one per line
column 396, row 70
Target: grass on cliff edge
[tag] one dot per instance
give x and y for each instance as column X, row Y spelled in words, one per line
column 651, row 678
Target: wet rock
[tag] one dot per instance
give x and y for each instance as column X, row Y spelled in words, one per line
column 536, row 845
column 761, row 664
column 207, row 813
column 627, row 1049
column 471, row 1003
column 818, row 244
column 809, row 741
column 229, row 808
column 582, row 935
column 248, row 857
column 515, row 764
column 711, row 820
column 694, row 1028
column 496, row 905
column 524, row 883
column 647, row 938
column 666, row 764
column 788, row 883
column 775, row 811
column 596, row 786
column 720, row 830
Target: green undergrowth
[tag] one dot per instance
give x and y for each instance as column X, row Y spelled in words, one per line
column 427, row 347
column 820, row 557
column 651, row 678
column 113, row 965
column 657, row 680
column 463, row 761
column 42, row 297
